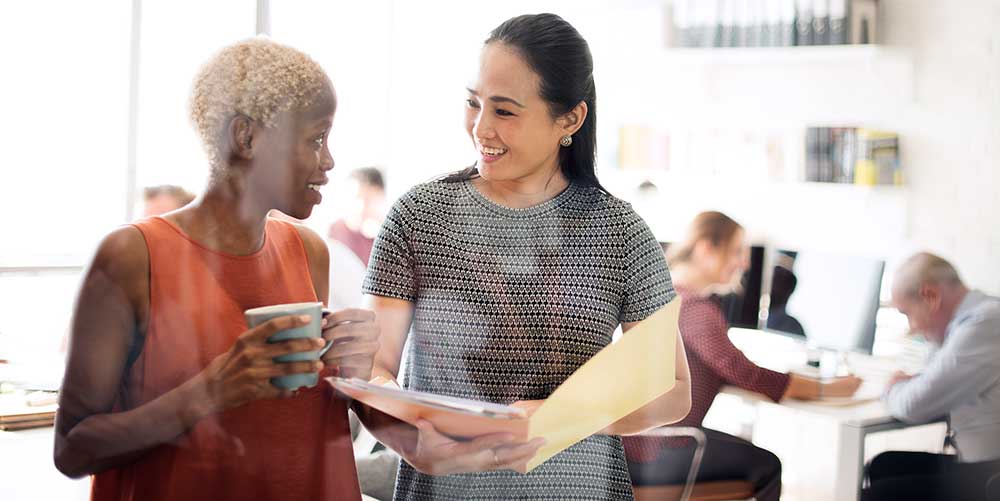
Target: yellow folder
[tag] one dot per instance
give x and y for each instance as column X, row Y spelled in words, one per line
column 617, row 381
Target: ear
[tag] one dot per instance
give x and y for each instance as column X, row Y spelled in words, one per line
column 571, row 121
column 240, row 137
column 930, row 295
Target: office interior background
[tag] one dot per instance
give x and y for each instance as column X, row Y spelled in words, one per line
column 95, row 108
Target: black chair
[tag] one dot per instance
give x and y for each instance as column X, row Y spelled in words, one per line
column 690, row 490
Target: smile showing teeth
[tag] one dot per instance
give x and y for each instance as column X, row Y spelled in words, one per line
column 494, row 151
column 314, row 187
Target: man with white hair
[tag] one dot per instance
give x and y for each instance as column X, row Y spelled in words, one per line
column 961, row 382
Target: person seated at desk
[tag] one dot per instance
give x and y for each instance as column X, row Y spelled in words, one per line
column 961, row 382
column 711, row 260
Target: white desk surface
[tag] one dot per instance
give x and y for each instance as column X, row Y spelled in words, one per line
column 822, row 445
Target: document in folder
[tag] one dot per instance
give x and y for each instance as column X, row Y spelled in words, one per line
column 617, row 381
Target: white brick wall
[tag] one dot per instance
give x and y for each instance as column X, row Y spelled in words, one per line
column 951, row 133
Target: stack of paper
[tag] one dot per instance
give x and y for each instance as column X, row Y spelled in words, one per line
column 17, row 413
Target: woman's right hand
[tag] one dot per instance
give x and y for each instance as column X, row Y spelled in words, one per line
column 437, row 454
column 841, row 387
column 243, row 374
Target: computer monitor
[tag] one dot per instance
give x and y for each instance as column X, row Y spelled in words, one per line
column 742, row 307
column 831, row 299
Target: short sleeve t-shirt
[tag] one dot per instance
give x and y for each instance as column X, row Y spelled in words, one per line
column 508, row 304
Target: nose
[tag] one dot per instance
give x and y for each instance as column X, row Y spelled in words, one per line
column 482, row 127
column 326, row 162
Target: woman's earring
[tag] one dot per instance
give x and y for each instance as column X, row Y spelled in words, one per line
column 566, row 141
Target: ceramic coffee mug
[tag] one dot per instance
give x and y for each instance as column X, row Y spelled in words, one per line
column 257, row 316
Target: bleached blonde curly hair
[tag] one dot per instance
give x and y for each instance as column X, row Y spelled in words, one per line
column 258, row 78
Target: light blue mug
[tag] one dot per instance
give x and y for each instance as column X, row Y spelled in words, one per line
column 257, row 316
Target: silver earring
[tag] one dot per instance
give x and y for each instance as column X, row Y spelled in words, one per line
column 566, row 141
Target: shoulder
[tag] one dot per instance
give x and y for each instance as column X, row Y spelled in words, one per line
column 434, row 193
column 314, row 245
column 123, row 254
column 428, row 200
column 120, row 265
column 981, row 324
column 696, row 308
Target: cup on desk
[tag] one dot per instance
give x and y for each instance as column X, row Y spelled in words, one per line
column 257, row 316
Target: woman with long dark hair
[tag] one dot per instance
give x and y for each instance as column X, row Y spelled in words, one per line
column 512, row 274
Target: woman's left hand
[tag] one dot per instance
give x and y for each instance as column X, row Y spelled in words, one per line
column 354, row 334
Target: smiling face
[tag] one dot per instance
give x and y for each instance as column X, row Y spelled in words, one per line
column 291, row 159
column 510, row 125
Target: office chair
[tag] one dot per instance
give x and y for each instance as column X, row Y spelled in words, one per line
column 720, row 490
column 993, row 488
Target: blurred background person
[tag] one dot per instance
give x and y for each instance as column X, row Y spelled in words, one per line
column 710, row 261
column 961, row 381
column 162, row 199
column 363, row 213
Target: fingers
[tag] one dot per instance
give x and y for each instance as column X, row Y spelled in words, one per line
column 354, row 330
column 349, row 315
column 516, row 457
column 351, row 349
column 290, row 346
column 287, row 368
column 267, row 329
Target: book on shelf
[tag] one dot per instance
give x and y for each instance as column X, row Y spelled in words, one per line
column 838, row 22
column 821, row 22
column 804, row 22
column 852, row 155
column 770, row 23
column 863, row 15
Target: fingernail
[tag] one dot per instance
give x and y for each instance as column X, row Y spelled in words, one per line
column 305, row 318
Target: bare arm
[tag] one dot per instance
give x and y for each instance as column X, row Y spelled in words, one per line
column 394, row 318
column 669, row 408
column 110, row 312
column 806, row 388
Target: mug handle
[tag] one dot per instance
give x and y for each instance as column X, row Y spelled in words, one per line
column 329, row 342
column 323, row 350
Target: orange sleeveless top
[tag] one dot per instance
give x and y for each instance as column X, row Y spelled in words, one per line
column 298, row 448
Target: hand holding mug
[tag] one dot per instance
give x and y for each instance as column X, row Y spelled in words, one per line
column 353, row 337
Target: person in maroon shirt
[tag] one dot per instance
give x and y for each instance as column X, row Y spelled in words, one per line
column 360, row 224
column 710, row 261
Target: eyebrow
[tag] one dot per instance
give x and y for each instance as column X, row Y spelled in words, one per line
column 498, row 99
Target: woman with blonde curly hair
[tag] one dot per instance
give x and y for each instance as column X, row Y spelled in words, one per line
column 167, row 393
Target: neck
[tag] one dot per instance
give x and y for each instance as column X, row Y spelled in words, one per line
column 225, row 219
column 950, row 301
column 689, row 277
column 533, row 189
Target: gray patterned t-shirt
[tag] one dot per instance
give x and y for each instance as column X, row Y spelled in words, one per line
column 508, row 304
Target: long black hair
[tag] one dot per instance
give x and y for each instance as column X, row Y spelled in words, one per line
column 561, row 58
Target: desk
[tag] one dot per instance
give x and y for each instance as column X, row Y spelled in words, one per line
column 822, row 430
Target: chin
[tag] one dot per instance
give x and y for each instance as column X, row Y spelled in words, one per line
column 491, row 172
